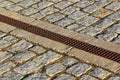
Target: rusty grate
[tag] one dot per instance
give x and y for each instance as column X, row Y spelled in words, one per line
column 63, row 39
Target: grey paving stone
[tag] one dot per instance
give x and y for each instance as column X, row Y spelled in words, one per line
column 29, row 11
column 14, row 8
column 4, row 55
column 26, row 3
column 11, row 76
column 44, row 12
column 88, row 20
column 68, row 10
column 36, row 76
column 22, row 56
column 55, row 1
column 69, row 61
column 115, row 16
column 84, row 3
column 96, row 6
column 78, row 69
column 5, row 3
column 115, row 28
column 65, row 77
column 100, row 73
column 6, row 41
column 101, row 13
column 54, row 69
column 108, row 36
column 46, row 58
column 113, row 6
column 63, row 4
column 64, row 22
column 92, row 31
column 2, row 34
column 87, row 77
column 116, row 40
column 54, row 17
column 26, row 68
column 37, row 49
column 76, row 27
column 104, row 23
column 15, row 1
column 74, row 1
column 20, row 46
column 42, row 4
column 77, row 15
column 6, row 67
column 114, row 77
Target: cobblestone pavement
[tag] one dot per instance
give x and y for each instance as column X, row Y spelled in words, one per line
column 98, row 18
column 24, row 60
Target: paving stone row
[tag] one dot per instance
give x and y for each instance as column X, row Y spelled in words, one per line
column 23, row 60
column 98, row 18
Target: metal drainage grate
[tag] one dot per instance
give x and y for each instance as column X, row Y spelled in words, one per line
column 63, row 39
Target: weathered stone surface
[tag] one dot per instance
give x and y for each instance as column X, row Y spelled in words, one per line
column 87, row 77
column 54, row 17
column 15, row 1
column 115, row 16
column 77, row 15
column 11, row 76
column 20, row 46
column 5, row 3
column 42, row 5
column 100, row 73
column 55, row 1
column 117, row 40
column 14, row 8
column 76, row 27
column 22, row 56
column 78, row 69
column 65, row 77
column 6, row 67
column 37, row 49
column 87, row 21
column 36, row 76
column 54, row 69
column 64, row 22
column 114, row 77
column 29, row 11
column 4, row 56
column 113, row 6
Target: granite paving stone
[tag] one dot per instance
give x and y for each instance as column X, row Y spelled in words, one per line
column 114, row 77
column 100, row 73
column 78, row 69
column 22, row 45
column 6, row 67
column 64, row 77
column 15, row 1
column 88, row 20
column 55, row 1
column 116, row 40
column 87, row 77
column 54, row 69
column 14, row 8
column 11, row 76
column 22, row 56
column 115, row 16
column 5, row 55
column 113, row 6
column 5, row 3
column 29, row 11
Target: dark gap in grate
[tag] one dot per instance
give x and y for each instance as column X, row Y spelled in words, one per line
column 63, row 39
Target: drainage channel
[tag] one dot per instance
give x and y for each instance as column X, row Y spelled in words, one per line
column 62, row 39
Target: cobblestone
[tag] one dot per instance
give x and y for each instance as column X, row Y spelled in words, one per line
column 100, row 73
column 15, row 1
column 5, row 3
column 115, row 16
column 55, row 1
column 108, row 36
column 87, row 21
column 23, row 56
column 77, row 15
column 4, row 56
column 64, row 22
column 14, row 8
column 65, row 77
column 6, row 67
column 114, row 77
column 54, row 69
column 78, row 69
column 117, row 40
column 11, row 76
column 36, row 76
column 54, row 17
column 20, row 46
column 29, row 11
column 76, row 27
column 87, row 77
column 113, row 6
